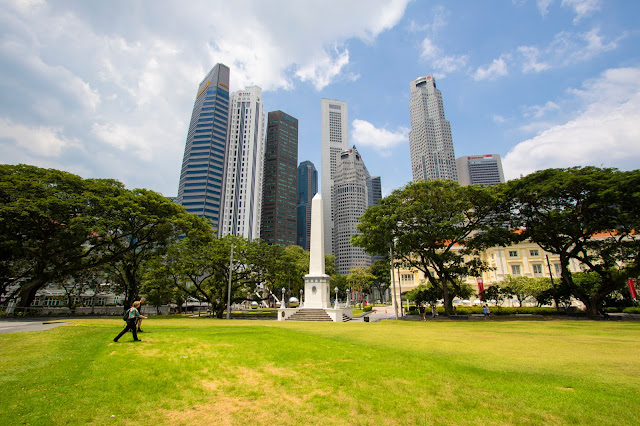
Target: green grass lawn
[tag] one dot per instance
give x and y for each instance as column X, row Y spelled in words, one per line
column 207, row 371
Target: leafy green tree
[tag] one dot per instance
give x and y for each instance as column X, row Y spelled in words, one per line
column 493, row 292
column 425, row 293
column 360, row 280
column 438, row 227
column 382, row 277
column 149, row 223
column 52, row 225
column 588, row 214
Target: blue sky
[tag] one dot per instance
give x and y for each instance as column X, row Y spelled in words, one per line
column 105, row 89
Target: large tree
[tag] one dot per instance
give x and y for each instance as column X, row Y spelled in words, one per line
column 149, row 223
column 52, row 225
column 587, row 214
column 437, row 227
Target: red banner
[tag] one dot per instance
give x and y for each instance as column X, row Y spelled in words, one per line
column 480, row 285
column 632, row 288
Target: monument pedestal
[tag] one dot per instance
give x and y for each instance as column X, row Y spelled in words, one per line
column 317, row 294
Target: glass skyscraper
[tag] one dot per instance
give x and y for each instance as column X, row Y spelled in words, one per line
column 203, row 165
column 307, row 189
column 280, row 180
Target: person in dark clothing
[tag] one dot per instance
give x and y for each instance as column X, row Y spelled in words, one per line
column 134, row 314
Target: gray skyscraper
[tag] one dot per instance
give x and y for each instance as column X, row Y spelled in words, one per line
column 201, row 180
column 279, row 193
column 350, row 200
column 430, row 141
column 374, row 190
column 307, row 189
column 480, row 169
column 334, row 138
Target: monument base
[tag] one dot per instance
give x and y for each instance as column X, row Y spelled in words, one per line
column 317, row 294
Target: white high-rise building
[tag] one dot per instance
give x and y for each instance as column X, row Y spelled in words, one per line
column 430, row 141
column 244, row 165
column 480, row 170
column 334, row 138
column 351, row 187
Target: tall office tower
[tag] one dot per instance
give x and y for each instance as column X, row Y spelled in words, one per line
column 430, row 140
column 245, row 163
column 480, row 169
column 201, row 180
column 350, row 200
column 334, row 138
column 374, row 188
column 307, row 189
column 279, row 190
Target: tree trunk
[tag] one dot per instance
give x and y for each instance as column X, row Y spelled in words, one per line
column 448, row 304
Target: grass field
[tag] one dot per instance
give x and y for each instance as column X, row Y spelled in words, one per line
column 206, row 371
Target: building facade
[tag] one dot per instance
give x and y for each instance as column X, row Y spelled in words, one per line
column 374, row 188
column 201, row 188
column 480, row 170
column 334, row 138
column 350, row 200
column 245, row 164
column 430, row 141
column 280, row 180
column 307, row 189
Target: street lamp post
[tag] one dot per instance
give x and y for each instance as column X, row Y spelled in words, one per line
column 229, row 288
column 282, row 304
column 336, row 290
column 300, row 301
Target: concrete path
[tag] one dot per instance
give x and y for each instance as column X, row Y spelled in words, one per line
column 20, row 326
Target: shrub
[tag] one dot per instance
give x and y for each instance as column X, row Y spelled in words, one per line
column 632, row 310
column 367, row 308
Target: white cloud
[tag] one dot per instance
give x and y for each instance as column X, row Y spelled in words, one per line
column 497, row 118
column 543, row 6
column 605, row 132
column 40, row 141
column 582, row 8
column 382, row 140
column 538, row 111
column 441, row 64
column 531, row 63
column 497, row 68
column 125, row 86
column 567, row 48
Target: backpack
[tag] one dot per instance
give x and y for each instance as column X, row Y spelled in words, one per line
column 125, row 316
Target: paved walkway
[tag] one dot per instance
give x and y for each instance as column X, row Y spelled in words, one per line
column 10, row 326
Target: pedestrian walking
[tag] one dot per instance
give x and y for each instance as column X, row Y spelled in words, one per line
column 485, row 311
column 134, row 314
column 422, row 312
column 139, row 320
column 434, row 313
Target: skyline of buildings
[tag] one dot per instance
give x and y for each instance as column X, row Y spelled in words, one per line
column 307, row 189
column 280, row 180
column 334, row 138
column 266, row 196
column 200, row 190
column 430, row 141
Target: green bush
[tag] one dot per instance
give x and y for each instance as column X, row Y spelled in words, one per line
column 367, row 308
column 632, row 310
column 613, row 309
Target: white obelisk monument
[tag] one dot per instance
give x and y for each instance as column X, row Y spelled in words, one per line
column 316, row 283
